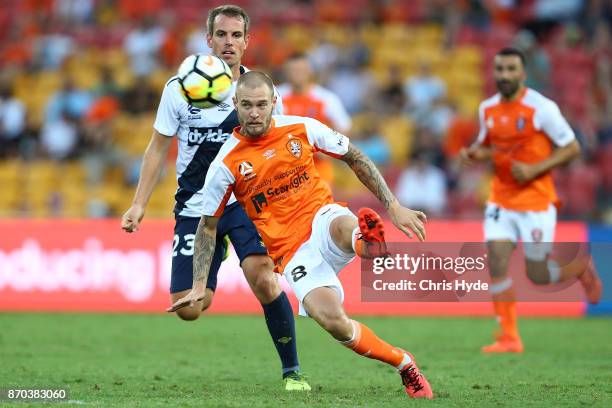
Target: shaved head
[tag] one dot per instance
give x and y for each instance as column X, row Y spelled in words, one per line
column 255, row 79
column 254, row 101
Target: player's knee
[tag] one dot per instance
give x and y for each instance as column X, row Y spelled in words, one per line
column 188, row 313
column 537, row 272
column 266, row 287
column 335, row 323
column 258, row 271
column 499, row 257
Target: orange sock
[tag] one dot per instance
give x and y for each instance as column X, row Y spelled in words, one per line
column 504, row 302
column 506, row 314
column 366, row 343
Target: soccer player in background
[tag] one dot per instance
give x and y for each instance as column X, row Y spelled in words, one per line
column 201, row 134
column 268, row 164
column 303, row 97
column 525, row 136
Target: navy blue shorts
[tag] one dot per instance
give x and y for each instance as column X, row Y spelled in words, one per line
column 235, row 223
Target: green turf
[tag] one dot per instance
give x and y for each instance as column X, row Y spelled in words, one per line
column 228, row 361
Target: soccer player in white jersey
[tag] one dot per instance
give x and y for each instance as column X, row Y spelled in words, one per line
column 201, row 133
column 525, row 136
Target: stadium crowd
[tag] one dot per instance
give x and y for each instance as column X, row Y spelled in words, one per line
column 80, row 81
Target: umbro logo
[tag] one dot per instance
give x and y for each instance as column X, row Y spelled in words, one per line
column 268, row 154
column 223, row 107
column 193, row 110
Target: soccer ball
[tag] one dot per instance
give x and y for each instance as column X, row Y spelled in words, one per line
column 205, row 80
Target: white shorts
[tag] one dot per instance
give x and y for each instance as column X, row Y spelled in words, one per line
column 318, row 261
column 537, row 228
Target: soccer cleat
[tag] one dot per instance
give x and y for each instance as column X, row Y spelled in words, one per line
column 296, row 381
column 372, row 234
column 591, row 283
column 415, row 383
column 504, row 344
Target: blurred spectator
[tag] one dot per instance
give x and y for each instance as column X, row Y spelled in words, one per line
column 424, row 88
column 142, row 45
column 392, row 95
column 557, row 9
column 59, row 137
column 369, row 140
column 12, row 120
column 107, row 85
column 196, row 42
column 140, row 97
column 422, row 186
column 69, row 100
column 436, row 119
column 323, row 56
column 538, row 63
column 74, row 11
column 99, row 152
column 354, row 85
column 16, row 49
column 53, row 47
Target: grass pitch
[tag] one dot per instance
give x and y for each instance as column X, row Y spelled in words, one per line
column 229, row 361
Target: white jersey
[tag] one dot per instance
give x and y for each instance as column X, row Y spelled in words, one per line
column 201, row 133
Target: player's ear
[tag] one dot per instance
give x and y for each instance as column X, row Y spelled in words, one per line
column 246, row 41
column 209, row 40
column 235, row 101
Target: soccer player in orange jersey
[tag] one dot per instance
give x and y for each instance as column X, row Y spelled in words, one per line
column 303, row 97
column 525, row 136
column 268, row 165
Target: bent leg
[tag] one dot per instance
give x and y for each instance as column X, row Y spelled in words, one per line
column 190, row 313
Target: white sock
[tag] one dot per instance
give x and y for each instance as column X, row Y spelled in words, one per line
column 356, row 232
column 500, row 286
column 407, row 360
column 554, row 271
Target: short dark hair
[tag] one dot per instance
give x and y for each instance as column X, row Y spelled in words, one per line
column 513, row 51
column 297, row 56
column 228, row 10
column 253, row 79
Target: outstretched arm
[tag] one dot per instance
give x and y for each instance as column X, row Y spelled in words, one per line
column 403, row 218
column 152, row 165
column 204, row 249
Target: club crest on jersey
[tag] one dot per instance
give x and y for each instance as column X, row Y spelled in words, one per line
column 490, row 122
column 537, row 234
column 520, row 123
column 294, row 146
column 246, row 170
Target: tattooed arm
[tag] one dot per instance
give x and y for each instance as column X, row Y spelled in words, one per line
column 204, row 249
column 403, row 218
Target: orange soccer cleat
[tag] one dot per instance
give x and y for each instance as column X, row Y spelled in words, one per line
column 591, row 283
column 415, row 383
column 371, row 243
column 504, row 344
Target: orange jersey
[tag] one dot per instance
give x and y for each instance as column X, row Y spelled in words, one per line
column 275, row 180
column 523, row 130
